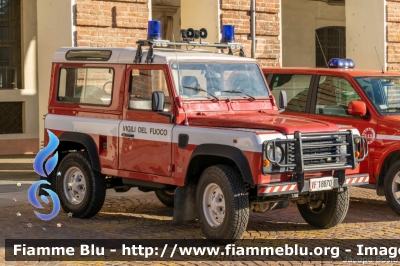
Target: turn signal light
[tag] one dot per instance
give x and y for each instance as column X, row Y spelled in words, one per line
column 266, row 163
column 357, row 154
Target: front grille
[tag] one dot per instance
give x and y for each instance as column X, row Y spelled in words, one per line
column 314, row 152
column 321, row 150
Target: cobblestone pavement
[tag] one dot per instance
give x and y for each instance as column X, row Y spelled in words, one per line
column 140, row 215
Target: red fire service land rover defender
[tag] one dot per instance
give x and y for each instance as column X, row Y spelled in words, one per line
column 368, row 100
column 200, row 128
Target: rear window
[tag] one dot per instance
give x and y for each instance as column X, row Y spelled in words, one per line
column 92, row 86
column 88, row 55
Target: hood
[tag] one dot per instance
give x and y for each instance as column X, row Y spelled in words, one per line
column 283, row 123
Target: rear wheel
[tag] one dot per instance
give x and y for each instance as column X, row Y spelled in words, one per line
column 81, row 190
column 325, row 209
column 392, row 187
column 166, row 197
column 222, row 204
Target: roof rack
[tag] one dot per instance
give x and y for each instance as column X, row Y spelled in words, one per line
column 166, row 43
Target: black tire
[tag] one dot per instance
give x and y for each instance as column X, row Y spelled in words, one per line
column 392, row 186
column 328, row 210
column 166, row 197
column 228, row 183
column 77, row 166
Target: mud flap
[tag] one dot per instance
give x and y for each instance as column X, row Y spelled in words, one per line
column 184, row 205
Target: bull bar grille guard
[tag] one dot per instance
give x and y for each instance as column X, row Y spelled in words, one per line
column 320, row 148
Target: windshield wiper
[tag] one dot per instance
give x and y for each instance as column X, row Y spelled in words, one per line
column 200, row 89
column 234, row 91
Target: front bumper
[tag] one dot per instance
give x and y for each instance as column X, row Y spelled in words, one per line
column 294, row 187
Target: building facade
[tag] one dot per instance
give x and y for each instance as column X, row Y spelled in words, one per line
column 287, row 33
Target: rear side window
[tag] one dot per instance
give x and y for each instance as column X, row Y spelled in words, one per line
column 92, row 86
column 296, row 87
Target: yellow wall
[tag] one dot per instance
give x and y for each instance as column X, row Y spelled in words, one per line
column 12, row 143
column 300, row 19
column 54, row 30
column 201, row 14
column 365, row 30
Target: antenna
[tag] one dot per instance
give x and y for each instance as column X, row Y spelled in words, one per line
column 383, row 72
column 320, row 46
column 179, row 80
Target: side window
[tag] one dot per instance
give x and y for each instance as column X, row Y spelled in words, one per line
column 334, row 95
column 296, row 87
column 393, row 96
column 143, row 83
column 85, row 86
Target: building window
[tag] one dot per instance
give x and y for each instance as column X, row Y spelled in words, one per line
column 333, row 2
column 11, row 117
column 10, row 44
column 330, row 42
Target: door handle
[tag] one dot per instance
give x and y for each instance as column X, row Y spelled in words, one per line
column 127, row 135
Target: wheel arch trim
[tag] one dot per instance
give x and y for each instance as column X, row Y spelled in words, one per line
column 229, row 152
column 86, row 141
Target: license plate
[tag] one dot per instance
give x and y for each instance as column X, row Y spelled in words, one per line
column 323, row 183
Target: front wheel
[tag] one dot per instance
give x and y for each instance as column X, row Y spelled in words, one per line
column 325, row 209
column 392, row 187
column 81, row 190
column 222, row 204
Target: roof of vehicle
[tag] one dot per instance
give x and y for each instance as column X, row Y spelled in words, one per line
column 161, row 55
column 351, row 72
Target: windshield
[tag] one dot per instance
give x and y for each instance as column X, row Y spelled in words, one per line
column 196, row 80
column 383, row 92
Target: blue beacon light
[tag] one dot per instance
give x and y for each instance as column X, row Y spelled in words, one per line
column 154, row 30
column 228, row 33
column 341, row 63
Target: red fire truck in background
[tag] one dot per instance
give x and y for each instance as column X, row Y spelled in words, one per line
column 368, row 100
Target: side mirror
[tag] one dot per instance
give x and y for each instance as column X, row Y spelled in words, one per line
column 157, row 105
column 282, row 101
column 357, row 108
column 157, row 101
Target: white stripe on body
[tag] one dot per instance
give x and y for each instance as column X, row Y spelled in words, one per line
column 246, row 140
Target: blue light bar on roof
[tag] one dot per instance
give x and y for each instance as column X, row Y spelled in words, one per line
column 228, row 33
column 154, row 30
column 341, row 63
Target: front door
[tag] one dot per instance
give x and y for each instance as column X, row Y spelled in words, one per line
column 145, row 136
column 331, row 103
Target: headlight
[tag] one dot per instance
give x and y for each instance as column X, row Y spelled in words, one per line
column 343, row 152
column 343, row 149
column 277, row 157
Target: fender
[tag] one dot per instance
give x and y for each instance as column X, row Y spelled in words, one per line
column 384, row 154
column 229, row 152
column 86, row 141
